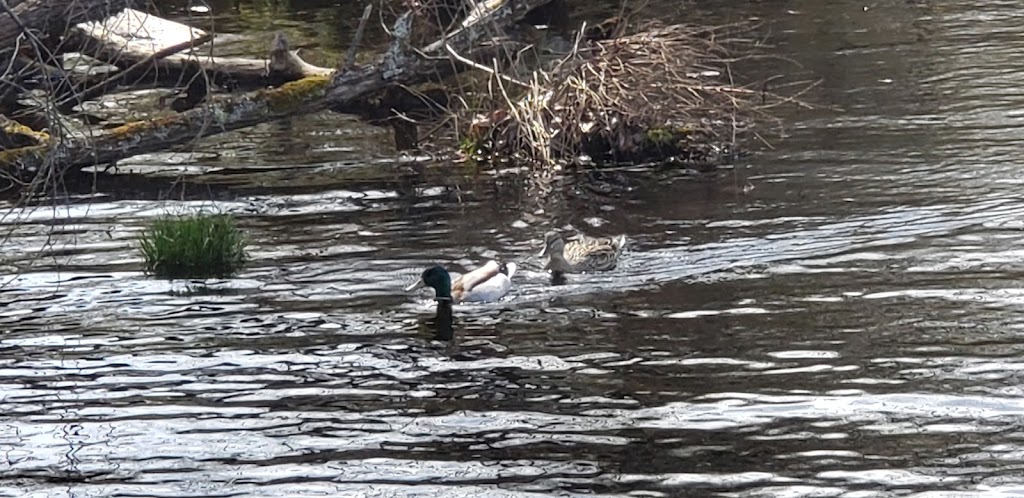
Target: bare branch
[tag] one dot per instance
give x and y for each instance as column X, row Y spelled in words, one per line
column 350, row 57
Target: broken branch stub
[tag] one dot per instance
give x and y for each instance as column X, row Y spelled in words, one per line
column 285, row 65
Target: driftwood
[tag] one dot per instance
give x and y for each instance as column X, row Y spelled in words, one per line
column 155, row 41
column 400, row 65
column 132, row 35
column 131, row 39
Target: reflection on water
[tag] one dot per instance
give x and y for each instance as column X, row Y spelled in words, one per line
column 850, row 328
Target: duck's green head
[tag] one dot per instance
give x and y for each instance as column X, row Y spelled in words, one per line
column 436, row 278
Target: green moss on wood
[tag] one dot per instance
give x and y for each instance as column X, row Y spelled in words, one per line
column 284, row 100
column 11, row 127
column 295, row 93
column 134, row 128
column 15, row 158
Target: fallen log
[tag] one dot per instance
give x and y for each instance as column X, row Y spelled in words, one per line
column 341, row 92
column 134, row 35
column 132, row 74
column 284, row 66
column 131, row 38
column 134, row 42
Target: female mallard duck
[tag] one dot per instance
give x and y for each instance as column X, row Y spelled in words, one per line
column 488, row 283
column 583, row 254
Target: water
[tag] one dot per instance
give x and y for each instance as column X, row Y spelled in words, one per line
column 850, row 328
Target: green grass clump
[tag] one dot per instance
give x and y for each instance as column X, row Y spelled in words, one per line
column 193, row 246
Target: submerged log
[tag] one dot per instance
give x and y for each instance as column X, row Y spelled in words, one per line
column 401, row 65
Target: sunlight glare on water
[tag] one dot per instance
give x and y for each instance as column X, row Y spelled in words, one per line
column 850, row 328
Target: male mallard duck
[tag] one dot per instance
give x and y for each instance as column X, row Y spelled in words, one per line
column 488, row 283
column 584, row 254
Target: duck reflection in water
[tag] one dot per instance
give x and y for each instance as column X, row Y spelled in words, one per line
column 444, row 321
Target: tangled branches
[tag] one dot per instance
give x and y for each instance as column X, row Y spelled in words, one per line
column 666, row 91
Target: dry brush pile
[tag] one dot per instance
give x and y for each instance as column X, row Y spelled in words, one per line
column 664, row 91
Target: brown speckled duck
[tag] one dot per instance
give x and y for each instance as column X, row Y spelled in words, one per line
column 583, row 254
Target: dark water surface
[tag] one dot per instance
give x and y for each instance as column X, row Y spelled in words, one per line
column 852, row 328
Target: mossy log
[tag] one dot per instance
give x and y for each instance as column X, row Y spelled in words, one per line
column 14, row 134
column 343, row 92
column 138, row 137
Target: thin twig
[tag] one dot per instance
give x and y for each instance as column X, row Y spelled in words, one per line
column 350, row 57
column 494, row 72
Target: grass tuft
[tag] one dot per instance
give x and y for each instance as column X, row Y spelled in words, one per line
column 193, row 246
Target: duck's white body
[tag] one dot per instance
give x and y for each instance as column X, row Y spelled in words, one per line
column 490, row 282
column 487, row 283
